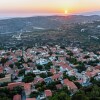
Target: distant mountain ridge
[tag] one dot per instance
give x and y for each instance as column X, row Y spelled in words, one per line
column 90, row 13
column 42, row 22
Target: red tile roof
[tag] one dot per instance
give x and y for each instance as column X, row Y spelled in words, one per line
column 25, row 65
column 92, row 73
column 59, row 86
column 1, row 69
column 53, row 71
column 56, row 76
column 48, row 93
column 30, row 98
column 61, row 58
column 89, row 74
column 12, row 85
column 79, row 81
column 70, row 84
column 64, row 65
column 97, row 67
column 38, row 80
column 27, row 86
column 17, row 97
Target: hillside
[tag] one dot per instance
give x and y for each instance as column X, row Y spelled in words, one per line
column 43, row 22
column 75, row 30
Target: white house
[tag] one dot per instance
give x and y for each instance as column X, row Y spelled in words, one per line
column 42, row 61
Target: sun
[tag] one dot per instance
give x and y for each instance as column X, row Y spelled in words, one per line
column 66, row 12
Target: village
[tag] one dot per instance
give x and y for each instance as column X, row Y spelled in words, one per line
column 39, row 73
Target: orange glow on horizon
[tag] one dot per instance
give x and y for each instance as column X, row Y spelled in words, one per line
column 48, row 6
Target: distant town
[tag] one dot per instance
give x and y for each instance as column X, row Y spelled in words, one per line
column 50, row 72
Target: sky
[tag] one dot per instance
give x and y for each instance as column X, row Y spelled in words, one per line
column 46, row 7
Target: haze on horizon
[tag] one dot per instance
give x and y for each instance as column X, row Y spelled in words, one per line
column 46, row 7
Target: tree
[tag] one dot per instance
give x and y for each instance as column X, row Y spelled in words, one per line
column 86, row 57
column 39, row 84
column 42, row 88
column 2, row 75
column 95, row 92
column 60, row 96
column 30, row 74
column 39, row 67
column 93, row 63
column 51, row 86
column 81, row 67
column 70, row 53
column 95, row 82
column 48, row 65
column 43, row 75
column 80, row 96
column 50, row 53
column 78, row 85
column 18, row 89
column 18, row 64
column 5, row 94
column 49, row 74
column 73, row 60
column 21, row 72
column 11, row 65
column 5, row 98
column 3, row 60
column 4, row 84
column 29, row 60
column 34, row 94
column 65, row 89
column 87, row 93
column 29, row 77
column 71, row 78
column 62, row 47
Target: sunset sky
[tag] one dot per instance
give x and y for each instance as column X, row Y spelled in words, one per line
column 46, row 7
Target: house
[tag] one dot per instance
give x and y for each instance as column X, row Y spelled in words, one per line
column 79, row 81
column 53, row 49
column 92, row 73
column 38, row 80
column 59, row 86
column 97, row 77
column 71, row 86
column 71, row 73
column 27, row 88
column 28, row 69
column 83, row 79
column 48, row 93
column 61, row 58
column 65, row 67
column 52, row 58
column 78, row 75
column 30, row 98
column 48, row 80
column 7, row 70
column 17, row 97
column 36, row 71
column 12, row 85
column 31, row 65
column 53, row 71
column 1, row 69
column 7, row 78
column 42, row 61
column 57, row 77
column 97, row 67
column 25, row 65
